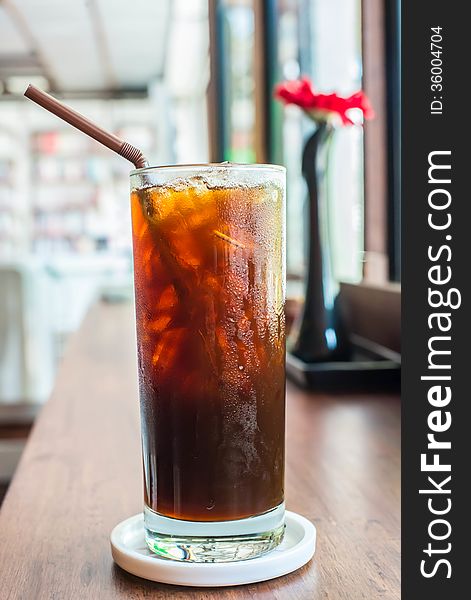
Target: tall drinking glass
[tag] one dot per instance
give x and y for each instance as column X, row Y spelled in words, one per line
column 210, row 291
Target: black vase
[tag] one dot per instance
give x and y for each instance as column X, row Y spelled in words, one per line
column 319, row 334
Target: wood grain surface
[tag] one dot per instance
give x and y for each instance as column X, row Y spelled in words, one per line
column 81, row 474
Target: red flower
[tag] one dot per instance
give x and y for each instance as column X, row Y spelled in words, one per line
column 319, row 106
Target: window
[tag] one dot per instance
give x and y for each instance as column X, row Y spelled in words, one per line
column 323, row 41
column 342, row 45
column 234, row 59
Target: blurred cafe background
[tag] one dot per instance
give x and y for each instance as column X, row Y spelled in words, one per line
column 187, row 81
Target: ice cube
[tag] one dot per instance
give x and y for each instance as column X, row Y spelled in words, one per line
column 158, row 325
column 168, row 299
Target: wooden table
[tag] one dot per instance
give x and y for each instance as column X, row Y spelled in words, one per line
column 80, row 475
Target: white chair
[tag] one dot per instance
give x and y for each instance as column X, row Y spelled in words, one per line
column 26, row 341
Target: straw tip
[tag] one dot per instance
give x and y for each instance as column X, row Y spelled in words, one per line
column 28, row 89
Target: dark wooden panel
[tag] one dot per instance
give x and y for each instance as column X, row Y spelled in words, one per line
column 81, row 474
column 374, row 312
column 3, row 491
column 14, row 432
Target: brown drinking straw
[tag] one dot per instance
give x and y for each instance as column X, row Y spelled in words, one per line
column 77, row 120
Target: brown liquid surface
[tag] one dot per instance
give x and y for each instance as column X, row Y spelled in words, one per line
column 211, row 345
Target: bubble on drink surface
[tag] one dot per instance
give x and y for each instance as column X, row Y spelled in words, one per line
column 195, row 183
column 221, row 179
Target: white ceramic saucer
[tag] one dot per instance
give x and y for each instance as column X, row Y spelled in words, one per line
column 130, row 552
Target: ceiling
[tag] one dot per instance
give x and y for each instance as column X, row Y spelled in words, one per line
column 85, row 46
